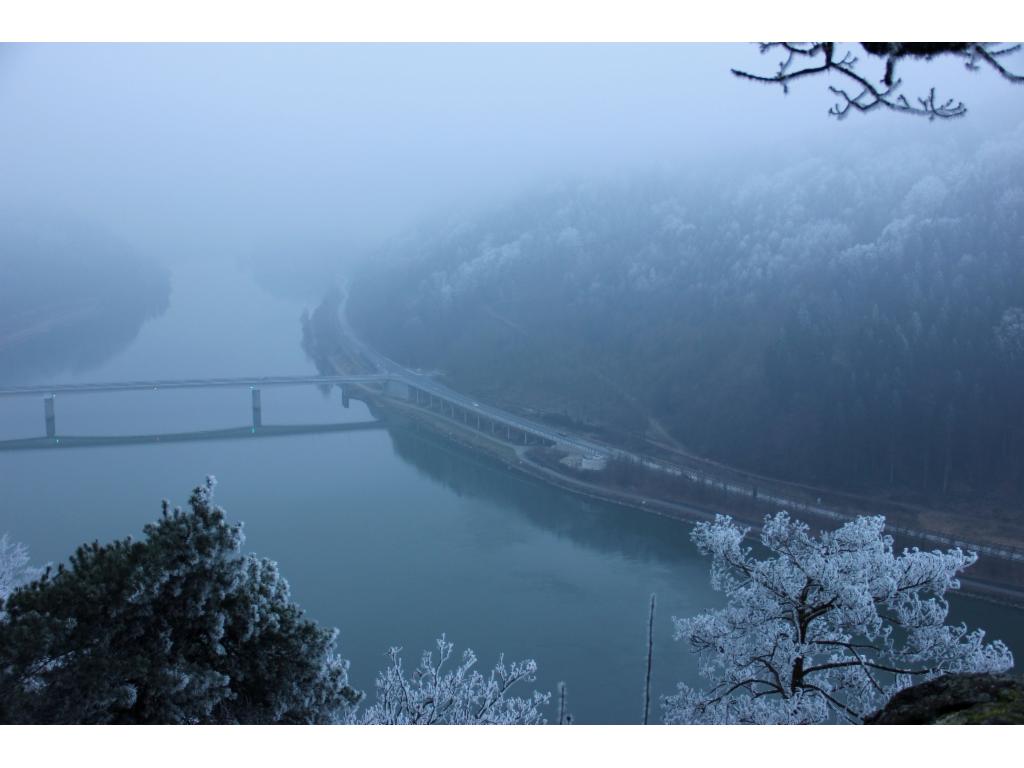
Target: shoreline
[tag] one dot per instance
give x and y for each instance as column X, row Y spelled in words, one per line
column 460, row 436
column 335, row 348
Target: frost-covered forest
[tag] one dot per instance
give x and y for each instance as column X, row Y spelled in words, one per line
column 854, row 318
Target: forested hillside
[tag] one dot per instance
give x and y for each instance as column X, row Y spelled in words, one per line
column 70, row 295
column 853, row 319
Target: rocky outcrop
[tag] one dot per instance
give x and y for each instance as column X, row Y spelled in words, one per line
column 969, row 699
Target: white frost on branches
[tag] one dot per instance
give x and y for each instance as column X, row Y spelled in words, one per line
column 826, row 630
column 433, row 695
column 14, row 569
column 1009, row 333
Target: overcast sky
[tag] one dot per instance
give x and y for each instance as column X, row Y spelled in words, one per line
column 192, row 151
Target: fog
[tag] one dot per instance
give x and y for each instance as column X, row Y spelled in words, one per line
column 559, row 288
column 288, row 153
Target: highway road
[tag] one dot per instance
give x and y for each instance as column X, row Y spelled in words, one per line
column 591, row 448
column 429, row 385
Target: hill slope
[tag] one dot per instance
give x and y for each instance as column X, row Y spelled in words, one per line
column 852, row 321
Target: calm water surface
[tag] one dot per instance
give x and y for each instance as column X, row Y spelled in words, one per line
column 389, row 535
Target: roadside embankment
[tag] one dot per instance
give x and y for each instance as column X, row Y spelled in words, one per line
column 991, row 578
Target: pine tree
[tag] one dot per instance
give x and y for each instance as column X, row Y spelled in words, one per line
column 180, row 627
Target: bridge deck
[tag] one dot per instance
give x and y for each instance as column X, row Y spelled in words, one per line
column 123, row 386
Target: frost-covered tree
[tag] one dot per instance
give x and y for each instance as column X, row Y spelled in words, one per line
column 434, row 694
column 1010, row 333
column 179, row 627
column 828, row 629
column 14, row 569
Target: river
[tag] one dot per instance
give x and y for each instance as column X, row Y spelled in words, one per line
column 392, row 536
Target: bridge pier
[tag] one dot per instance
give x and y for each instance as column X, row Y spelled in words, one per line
column 344, row 397
column 51, row 420
column 257, row 409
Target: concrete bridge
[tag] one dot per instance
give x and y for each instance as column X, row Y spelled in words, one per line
column 50, row 391
column 391, row 380
column 123, row 386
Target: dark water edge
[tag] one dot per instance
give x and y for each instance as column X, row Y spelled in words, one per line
column 66, row 442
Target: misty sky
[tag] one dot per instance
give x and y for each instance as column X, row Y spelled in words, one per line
column 192, row 151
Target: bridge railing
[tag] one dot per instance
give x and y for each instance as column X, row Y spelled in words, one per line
column 50, row 391
column 157, row 384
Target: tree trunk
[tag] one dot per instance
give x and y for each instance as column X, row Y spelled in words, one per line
column 650, row 661
column 927, row 463
column 946, row 467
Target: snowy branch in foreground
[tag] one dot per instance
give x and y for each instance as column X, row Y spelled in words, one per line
column 435, row 695
column 14, row 569
column 827, row 630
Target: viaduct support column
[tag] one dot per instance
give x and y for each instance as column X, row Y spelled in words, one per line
column 51, row 421
column 257, row 409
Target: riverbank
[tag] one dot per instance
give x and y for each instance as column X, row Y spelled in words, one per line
column 991, row 580
column 661, row 480
column 231, row 433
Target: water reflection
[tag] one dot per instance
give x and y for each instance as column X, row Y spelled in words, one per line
column 603, row 527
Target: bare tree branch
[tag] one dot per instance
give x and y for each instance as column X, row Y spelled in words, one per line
column 868, row 95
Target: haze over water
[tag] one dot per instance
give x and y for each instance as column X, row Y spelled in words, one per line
column 391, row 536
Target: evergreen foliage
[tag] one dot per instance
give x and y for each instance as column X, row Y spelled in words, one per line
column 179, row 627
